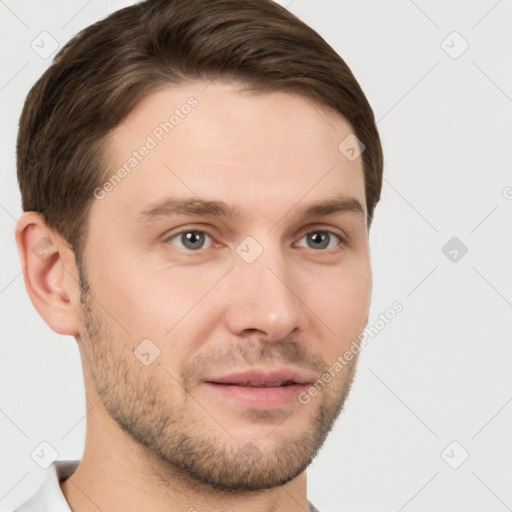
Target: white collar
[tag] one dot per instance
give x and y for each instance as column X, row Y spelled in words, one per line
column 49, row 496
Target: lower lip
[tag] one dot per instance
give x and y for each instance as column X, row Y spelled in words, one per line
column 259, row 397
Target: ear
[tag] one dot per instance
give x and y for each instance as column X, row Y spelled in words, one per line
column 50, row 273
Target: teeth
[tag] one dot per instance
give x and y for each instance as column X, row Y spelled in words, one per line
column 273, row 384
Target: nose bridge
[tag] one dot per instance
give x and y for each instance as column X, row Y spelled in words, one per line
column 264, row 297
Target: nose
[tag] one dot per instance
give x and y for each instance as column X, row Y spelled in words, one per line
column 264, row 297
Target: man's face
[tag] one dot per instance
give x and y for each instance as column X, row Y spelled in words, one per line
column 239, row 314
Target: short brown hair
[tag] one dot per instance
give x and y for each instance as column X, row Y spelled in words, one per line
column 102, row 72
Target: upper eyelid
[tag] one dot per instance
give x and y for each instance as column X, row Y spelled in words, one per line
column 335, row 231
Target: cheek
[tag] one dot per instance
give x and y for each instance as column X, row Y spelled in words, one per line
column 149, row 302
column 342, row 303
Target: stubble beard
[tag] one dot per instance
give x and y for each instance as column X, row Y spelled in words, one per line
column 138, row 399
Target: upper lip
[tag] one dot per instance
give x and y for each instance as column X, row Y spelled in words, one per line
column 254, row 377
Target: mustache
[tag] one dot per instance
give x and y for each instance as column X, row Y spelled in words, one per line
column 251, row 353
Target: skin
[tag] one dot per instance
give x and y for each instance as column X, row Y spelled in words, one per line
column 158, row 435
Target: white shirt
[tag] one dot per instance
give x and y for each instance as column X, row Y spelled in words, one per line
column 49, row 496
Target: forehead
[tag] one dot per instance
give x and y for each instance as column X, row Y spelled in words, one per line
column 213, row 141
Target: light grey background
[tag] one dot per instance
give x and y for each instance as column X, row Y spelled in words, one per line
column 440, row 371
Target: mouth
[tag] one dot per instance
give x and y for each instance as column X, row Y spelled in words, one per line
column 261, row 389
column 258, row 385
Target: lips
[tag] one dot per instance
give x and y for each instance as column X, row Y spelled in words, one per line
column 262, row 378
column 267, row 384
column 260, row 389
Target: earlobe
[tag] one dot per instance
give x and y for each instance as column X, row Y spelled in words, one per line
column 49, row 272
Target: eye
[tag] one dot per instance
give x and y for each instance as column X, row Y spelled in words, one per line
column 322, row 239
column 195, row 240
column 190, row 239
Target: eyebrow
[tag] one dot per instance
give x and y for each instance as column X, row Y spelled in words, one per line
column 195, row 206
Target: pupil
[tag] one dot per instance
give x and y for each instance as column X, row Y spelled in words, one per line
column 192, row 238
column 320, row 237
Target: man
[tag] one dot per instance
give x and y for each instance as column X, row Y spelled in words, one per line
column 198, row 180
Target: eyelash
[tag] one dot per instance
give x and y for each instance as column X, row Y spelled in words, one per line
column 343, row 240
